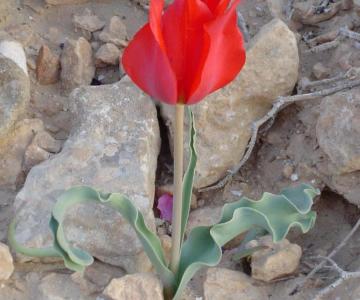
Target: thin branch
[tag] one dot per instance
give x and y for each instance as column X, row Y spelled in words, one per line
column 351, row 74
column 329, row 257
column 344, row 275
column 242, row 25
column 324, row 46
column 349, row 34
column 280, row 103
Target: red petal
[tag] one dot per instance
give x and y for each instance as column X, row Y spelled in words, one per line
column 148, row 66
column 225, row 56
column 183, row 35
column 155, row 14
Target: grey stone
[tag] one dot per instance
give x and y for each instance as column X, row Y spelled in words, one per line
column 338, row 130
column 224, row 119
column 88, row 21
column 14, row 92
column 113, row 146
column 115, row 32
column 107, row 54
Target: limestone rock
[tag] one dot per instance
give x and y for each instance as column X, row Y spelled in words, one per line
column 338, row 130
column 141, row 286
column 108, row 54
column 88, row 21
column 114, row 33
column 230, row 285
column 96, row 277
column 14, row 86
column 77, row 66
column 276, row 260
column 47, row 66
column 113, row 146
column 13, row 148
column 59, row 286
column 6, row 262
column 224, row 119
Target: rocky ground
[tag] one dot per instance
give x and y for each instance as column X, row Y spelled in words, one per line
column 70, row 116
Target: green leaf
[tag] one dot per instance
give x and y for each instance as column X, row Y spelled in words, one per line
column 77, row 259
column 276, row 214
column 189, row 175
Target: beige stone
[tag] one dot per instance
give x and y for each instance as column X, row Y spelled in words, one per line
column 6, row 262
column 141, row 286
column 276, row 260
column 223, row 120
column 221, row 284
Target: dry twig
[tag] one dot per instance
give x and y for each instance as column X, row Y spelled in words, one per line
column 329, row 257
column 280, row 103
column 242, row 25
column 324, row 46
column 350, row 34
column 344, row 275
column 306, row 84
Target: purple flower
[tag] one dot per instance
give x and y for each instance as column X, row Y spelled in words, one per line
column 165, row 205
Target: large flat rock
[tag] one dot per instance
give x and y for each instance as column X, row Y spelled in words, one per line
column 113, row 146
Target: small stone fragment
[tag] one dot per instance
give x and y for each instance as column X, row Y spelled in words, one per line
column 276, row 260
column 6, row 262
column 288, row 170
column 88, row 21
column 33, row 156
column 140, row 286
column 320, row 71
column 107, row 54
column 77, row 66
column 221, row 284
column 114, row 33
column 40, row 149
column 47, row 66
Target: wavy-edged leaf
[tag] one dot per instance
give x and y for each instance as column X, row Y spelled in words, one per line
column 274, row 213
column 123, row 205
column 77, row 259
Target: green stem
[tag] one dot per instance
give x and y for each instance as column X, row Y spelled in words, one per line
column 178, row 179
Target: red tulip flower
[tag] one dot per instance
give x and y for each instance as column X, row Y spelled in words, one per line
column 186, row 52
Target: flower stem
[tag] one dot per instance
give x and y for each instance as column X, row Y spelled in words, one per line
column 178, row 179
